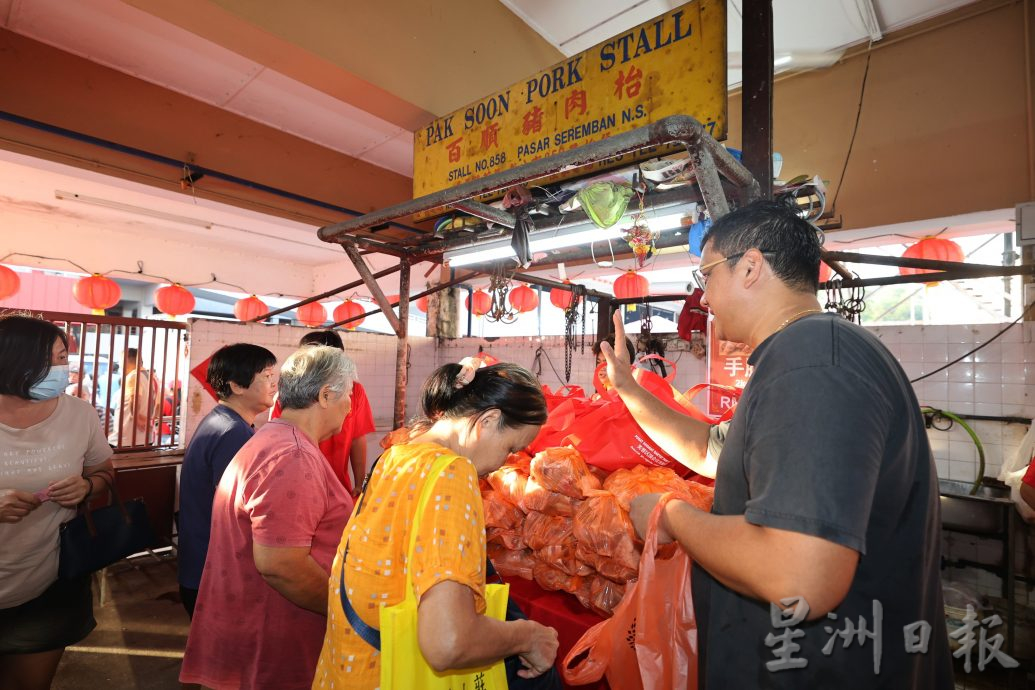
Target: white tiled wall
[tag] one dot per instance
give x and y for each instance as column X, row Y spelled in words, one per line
column 997, row 380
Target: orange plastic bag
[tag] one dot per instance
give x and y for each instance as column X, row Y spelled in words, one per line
column 500, row 512
column 564, row 471
column 658, row 654
column 511, row 563
column 508, row 538
column 540, row 499
column 519, row 461
column 542, row 530
column 563, row 557
column 627, row 484
column 604, row 565
column 605, row 595
column 551, row 579
column 603, row 526
column 509, row 482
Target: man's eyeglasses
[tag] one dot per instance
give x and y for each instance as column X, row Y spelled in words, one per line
column 701, row 278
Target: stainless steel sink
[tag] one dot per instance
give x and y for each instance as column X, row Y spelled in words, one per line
column 986, row 512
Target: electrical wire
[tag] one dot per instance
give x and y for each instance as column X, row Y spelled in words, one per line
column 987, row 342
column 945, row 414
column 855, row 128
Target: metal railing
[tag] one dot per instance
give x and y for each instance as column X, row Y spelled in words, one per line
column 133, row 371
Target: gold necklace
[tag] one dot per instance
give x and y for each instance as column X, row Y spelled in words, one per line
column 795, row 317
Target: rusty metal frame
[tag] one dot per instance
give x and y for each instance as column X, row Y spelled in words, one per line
column 942, row 270
column 709, row 160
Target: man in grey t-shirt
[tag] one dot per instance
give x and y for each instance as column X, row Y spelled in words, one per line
column 819, row 563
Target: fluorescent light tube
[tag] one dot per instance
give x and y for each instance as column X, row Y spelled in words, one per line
column 130, row 208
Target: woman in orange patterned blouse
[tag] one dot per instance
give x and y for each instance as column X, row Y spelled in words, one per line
column 479, row 420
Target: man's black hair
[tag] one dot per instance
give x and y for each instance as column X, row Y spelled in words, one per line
column 789, row 243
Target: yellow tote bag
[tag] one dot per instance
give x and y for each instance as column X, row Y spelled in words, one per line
column 402, row 664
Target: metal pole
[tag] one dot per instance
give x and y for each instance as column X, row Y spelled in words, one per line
column 375, row 289
column 757, row 94
column 402, row 345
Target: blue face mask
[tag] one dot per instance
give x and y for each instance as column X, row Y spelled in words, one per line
column 52, row 385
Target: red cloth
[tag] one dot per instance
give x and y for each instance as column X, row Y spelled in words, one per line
column 693, row 317
column 278, row 492
column 560, row 611
column 358, row 423
column 1029, row 476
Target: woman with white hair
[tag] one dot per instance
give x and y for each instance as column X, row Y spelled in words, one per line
column 277, row 517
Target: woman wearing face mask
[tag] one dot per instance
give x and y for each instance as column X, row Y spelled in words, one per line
column 477, row 417
column 53, row 456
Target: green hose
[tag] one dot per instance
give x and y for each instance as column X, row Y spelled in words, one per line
column 973, row 437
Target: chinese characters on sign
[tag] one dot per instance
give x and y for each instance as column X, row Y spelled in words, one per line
column 916, row 636
column 727, row 366
column 674, row 64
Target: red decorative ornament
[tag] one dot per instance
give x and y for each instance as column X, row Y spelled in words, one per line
column 934, row 248
column 524, row 299
column 825, row 272
column 9, row 282
column 631, row 285
column 561, row 298
column 482, row 303
column 97, row 292
column 249, row 308
column 346, row 310
column 312, row 314
column 422, row 304
column 174, row 300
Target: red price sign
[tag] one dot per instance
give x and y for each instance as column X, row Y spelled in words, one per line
column 727, row 366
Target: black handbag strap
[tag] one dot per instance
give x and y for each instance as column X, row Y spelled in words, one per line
column 368, row 633
column 114, row 496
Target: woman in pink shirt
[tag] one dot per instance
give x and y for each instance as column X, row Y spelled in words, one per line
column 277, row 517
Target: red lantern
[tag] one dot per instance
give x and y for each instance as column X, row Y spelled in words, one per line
column 249, row 308
column 422, row 304
column 174, row 300
column 482, row 303
column 561, row 298
column 631, row 285
column 934, row 248
column 824, row 272
column 9, row 282
column 524, row 299
column 346, row 310
column 97, row 292
column 312, row 314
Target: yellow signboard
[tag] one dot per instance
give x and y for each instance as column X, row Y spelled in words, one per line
column 672, row 65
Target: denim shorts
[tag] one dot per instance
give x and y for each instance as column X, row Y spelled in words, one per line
column 61, row 616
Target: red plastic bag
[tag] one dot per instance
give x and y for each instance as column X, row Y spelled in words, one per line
column 509, row 483
column 563, row 393
column 602, row 526
column 658, row 654
column 539, row 499
column 542, row 530
column 510, row 563
column 629, row 483
column 500, row 512
column 564, row 471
